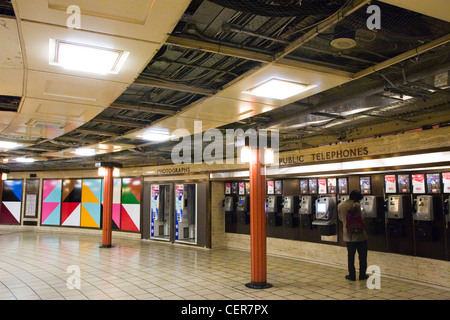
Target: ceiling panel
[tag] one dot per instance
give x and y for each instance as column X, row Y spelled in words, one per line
column 50, row 86
column 323, row 81
column 37, row 41
column 11, row 61
column 438, row 9
column 34, row 126
column 61, row 110
column 138, row 19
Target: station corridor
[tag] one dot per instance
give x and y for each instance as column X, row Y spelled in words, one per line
column 40, row 266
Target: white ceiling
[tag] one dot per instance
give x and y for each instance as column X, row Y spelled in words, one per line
column 67, row 99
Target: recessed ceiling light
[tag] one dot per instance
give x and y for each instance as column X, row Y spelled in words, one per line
column 86, row 58
column 85, row 152
column 25, row 160
column 9, row 145
column 279, row 89
column 157, row 135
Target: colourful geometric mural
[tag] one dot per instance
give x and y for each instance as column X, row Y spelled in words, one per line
column 51, row 203
column 91, row 197
column 11, row 202
column 130, row 215
column 71, row 205
column 117, row 197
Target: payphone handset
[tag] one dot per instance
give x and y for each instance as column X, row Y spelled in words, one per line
column 394, row 206
column 423, row 208
column 325, row 207
column 306, row 205
column 242, row 205
column 369, row 207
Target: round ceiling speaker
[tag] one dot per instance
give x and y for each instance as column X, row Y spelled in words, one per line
column 344, row 37
column 343, row 43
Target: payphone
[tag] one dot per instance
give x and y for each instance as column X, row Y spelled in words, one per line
column 325, row 211
column 395, row 206
column 325, row 216
column 423, row 208
column 341, row 198
column 306, row 211
column 229, row 207
column 273, row 207
column 289, row 207
column 369, row 206
column 243, row 210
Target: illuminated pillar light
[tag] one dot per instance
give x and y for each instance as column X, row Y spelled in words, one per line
column 101, row 171
column 246, row 154
column 4, row 176
column 116, row 172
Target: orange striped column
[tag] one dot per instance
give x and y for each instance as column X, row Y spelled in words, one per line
column 107, row 207
column 258, row 222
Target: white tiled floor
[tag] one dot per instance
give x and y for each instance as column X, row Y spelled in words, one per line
column 34, row 266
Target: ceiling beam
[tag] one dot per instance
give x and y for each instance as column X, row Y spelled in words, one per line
column 401, row 57
column 120, row 123
column 97, row 133
column 219, row 49
column 173, row 86
column 123, row 106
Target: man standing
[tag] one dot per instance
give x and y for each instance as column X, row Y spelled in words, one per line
column 355, row 240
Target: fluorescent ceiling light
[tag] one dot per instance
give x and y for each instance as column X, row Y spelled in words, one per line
column 9, row 145
column 85, row 152
column 157, row 135
column 86, row 58
column 279, row 89
column 25, row 160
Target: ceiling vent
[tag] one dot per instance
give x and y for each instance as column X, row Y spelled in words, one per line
column 46, row 124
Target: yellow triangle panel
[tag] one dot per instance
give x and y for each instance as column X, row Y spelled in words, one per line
column 86, row 219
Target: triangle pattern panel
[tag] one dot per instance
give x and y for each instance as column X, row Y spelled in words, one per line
column 72, row 190
column 51, row 213
column 73, row 219
column 51, row 191
column 70, row 214
column 130, row 217
column 91, row 191
column 10, row 192
column 116, row 216
column 9, row 214
column 133, row 190
column 90, row 215
column 15, row 187
column 129, row 190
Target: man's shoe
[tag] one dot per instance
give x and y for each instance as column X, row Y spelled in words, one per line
column 363, row 277
column 348, row 277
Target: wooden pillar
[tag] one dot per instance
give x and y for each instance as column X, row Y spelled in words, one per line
column 258, row 222
column 107, row 207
